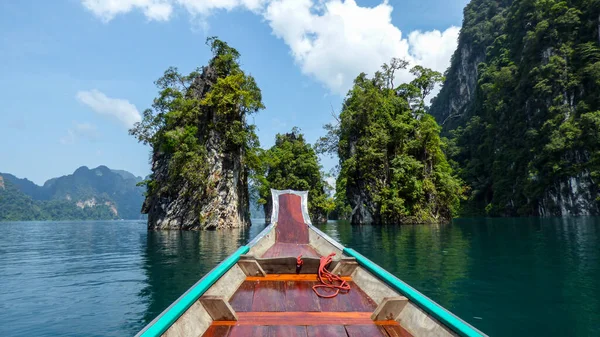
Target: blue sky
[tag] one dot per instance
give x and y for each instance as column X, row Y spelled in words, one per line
column 77, row 73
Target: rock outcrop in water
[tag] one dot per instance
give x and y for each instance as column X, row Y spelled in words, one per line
column 521, row 102
column 392, row 167
column 202, row 146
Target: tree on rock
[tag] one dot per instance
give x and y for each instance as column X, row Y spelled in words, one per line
column 202, row 146
column 293, row 164
column 392, row 167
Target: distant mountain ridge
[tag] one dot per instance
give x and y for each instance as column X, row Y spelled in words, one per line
column 99, row 193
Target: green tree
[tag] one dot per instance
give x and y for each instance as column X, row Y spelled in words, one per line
column 392, row 165
column 425, row 81
column 293, row 164
column 194, row 117
column 528, row 145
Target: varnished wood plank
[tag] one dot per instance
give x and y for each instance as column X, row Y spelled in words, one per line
column 303, row 318
column 284, row 249
column 362, row 330
column 396, row 331
column 248, row 331
column 217, row 331
column 290, row 223
column 274, row 251
column 359, row 300
column 290, row 277
column 242, row 298
column 271, row 293
column 299, row 296
column 382, row 330
column 293, row 249
column 326, row 331
column 386, row 323
column 269, row 296
column 287, row 331
column 340, row 303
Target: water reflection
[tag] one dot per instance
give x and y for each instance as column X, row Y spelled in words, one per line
column 508, row 277
column 538, row 274
column 432, row 257
column 175, row 260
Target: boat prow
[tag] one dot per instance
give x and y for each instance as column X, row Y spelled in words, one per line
column 267, row 288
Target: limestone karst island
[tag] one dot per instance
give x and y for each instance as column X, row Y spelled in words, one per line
column 300, row 168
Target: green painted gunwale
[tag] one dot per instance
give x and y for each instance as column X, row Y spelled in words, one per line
column 162, row 323
column 182, row 304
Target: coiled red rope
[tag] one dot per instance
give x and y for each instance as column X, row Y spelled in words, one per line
column 299, row 261
column 329, row 279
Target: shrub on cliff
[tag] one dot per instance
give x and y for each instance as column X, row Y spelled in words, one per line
column 203, row 148
column 392, row 165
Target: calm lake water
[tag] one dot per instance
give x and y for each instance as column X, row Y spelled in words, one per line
column 507, row 277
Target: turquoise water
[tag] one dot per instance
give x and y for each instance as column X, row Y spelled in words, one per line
column 507, row 277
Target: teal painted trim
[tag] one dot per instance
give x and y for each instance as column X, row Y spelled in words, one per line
column 421, row 300
column 168, row 318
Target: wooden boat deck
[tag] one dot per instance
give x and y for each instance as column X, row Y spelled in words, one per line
column 295, row 294
column 356, row 330
column 263, row 289
column 286, row 305
column 280, row 249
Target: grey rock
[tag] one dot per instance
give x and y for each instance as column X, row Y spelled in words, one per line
column 224, row 203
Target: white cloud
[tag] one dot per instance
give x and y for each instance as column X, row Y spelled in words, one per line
column 331, row 181
column 117, row 108
column 433, row 49
column 205, row 7
column 158, row 10
column 330, row 40
column 344, row 39
column 80, row 131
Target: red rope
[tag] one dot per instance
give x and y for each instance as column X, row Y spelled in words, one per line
column 328, row 279
column 299, row 261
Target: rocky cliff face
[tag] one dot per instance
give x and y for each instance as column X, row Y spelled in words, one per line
column 224, row 200
column 482, row 24
column 521, row 104
column 365, row 211
column 229, row 206
column 571, row 196
column 451, row 106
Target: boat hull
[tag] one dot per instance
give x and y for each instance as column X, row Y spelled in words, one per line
column 260, row 290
